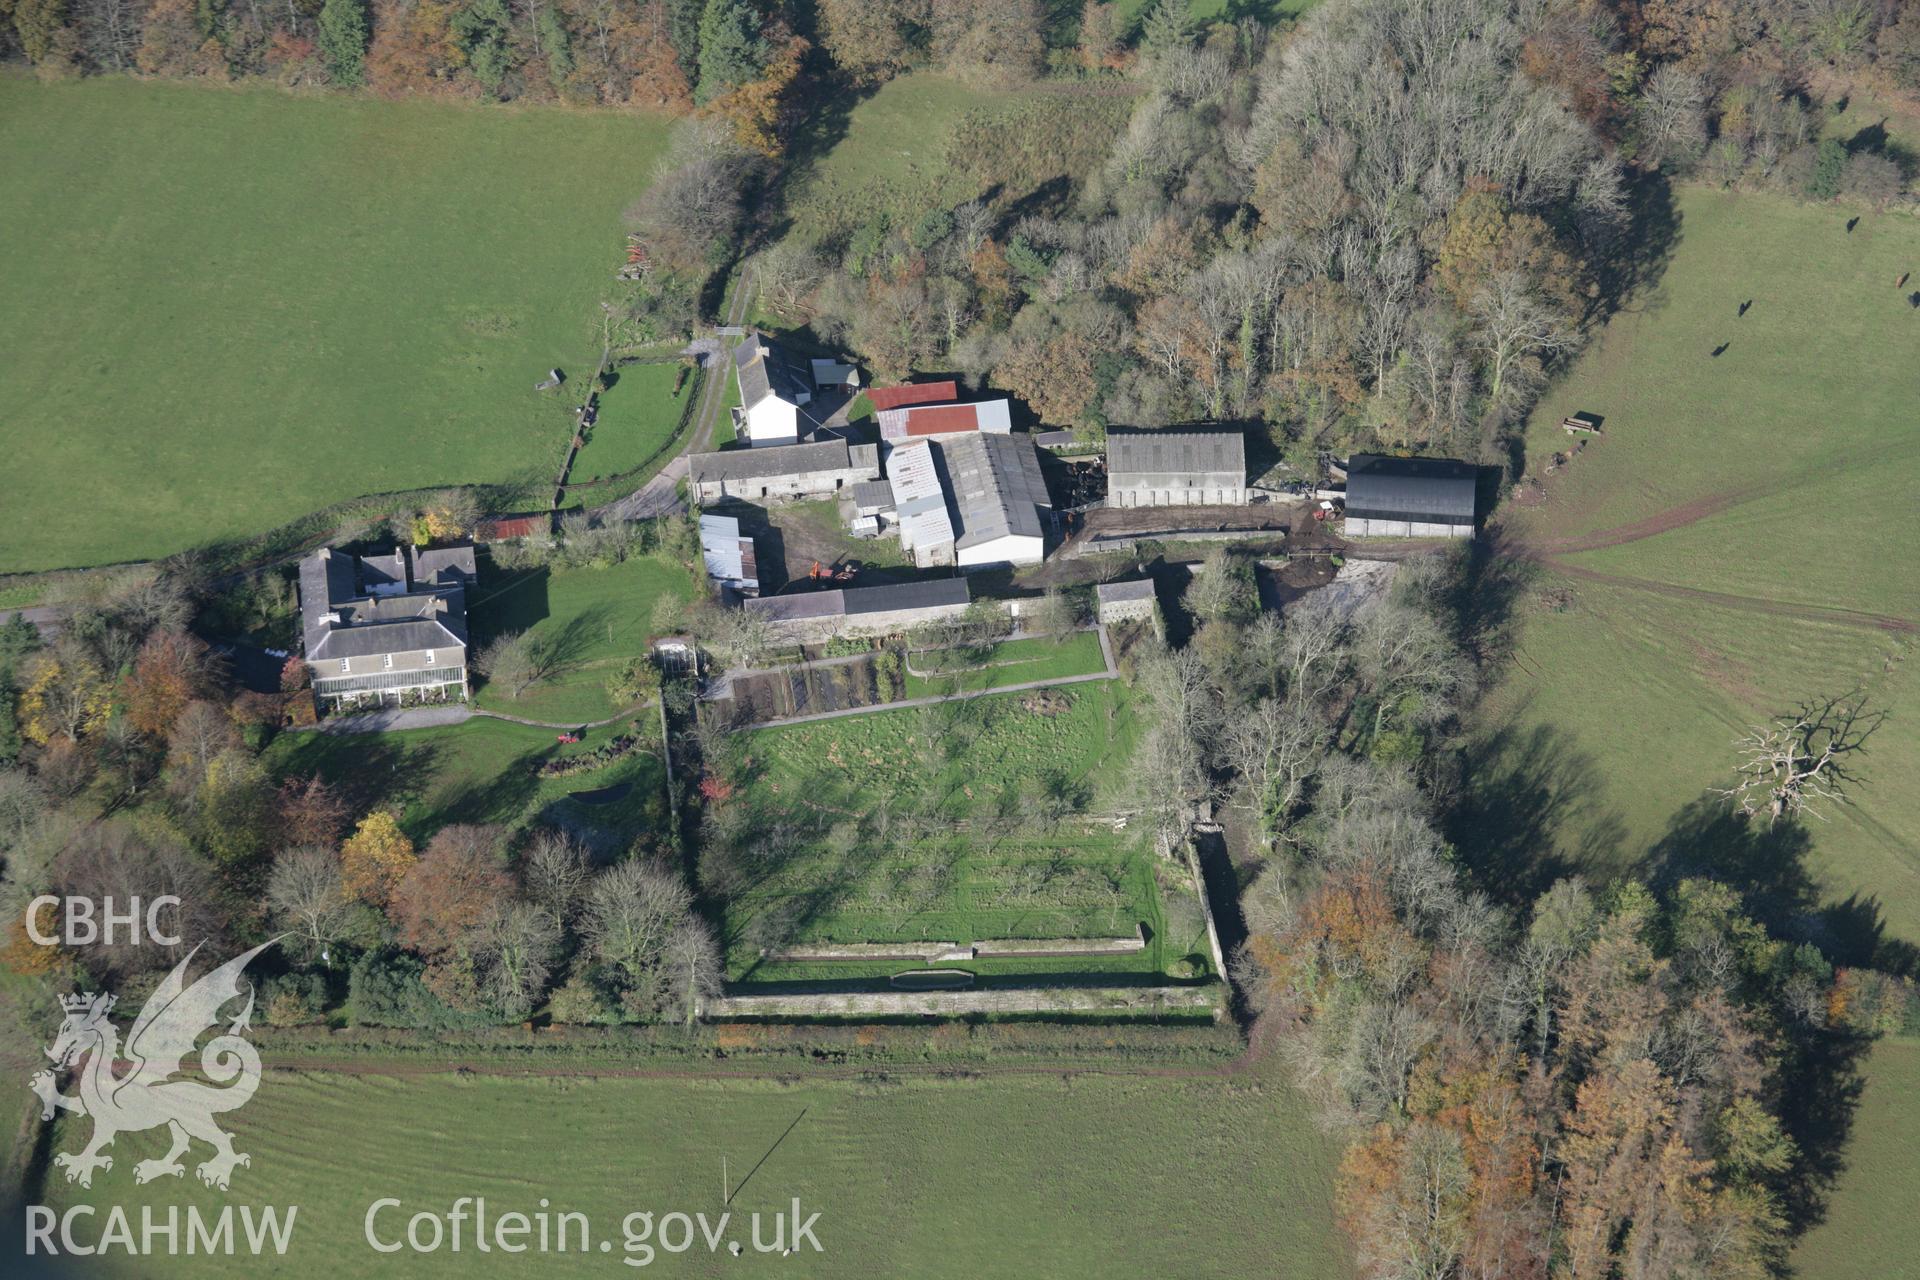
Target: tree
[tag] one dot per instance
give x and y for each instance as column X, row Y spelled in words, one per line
column 311, row 812
column 342, row 31
column 1829, row 170
column 67, row 697
column 1804, row 759
column 555, row 874
column 514, row 945
column 448, row 890
column 233, row 808
column 305, row 892
column 375, row 857
column 515, row 661
column 1517, row 329
column 171, row 670
column 485, row 30
column 732, row 50
column 1225, row 590
column 1058, row 615
column 693, row 970
column 1275, row 747
column 168, row 38
column 632, row 909
column 200, row 734
column 871, row 39
column 38, row 24
column 990, row 42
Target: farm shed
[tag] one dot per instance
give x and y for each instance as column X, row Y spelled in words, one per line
column 1176, row 468
column 781, row 471
column 729, row 555
column 920, row 501
column 998, row 497
column 912, row 393
column 813, row 617
column 936, row 421
column 1390, row 497
column 1124, row 601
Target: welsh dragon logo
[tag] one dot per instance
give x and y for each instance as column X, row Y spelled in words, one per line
column 149, row 1093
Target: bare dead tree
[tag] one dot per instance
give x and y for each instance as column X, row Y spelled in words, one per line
column 1802, row 761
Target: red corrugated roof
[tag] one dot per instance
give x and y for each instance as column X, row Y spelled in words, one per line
column 511, row 527
column 941, row 418
column 913, row 393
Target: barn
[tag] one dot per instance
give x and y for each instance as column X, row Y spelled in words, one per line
column 1390, row 497
column 1176, row 468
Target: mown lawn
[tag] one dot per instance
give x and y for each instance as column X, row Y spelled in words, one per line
column 1008, row 1176
column 228, row 307
column 480, row 771
column 590, row 620
column 1621, row 712
column 1009, row 662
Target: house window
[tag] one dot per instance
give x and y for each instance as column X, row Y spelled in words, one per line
column 386, row 660
column 429, row 657
column 345, row 665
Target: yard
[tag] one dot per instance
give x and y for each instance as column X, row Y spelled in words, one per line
column 638, row 417
column 588, row 621
column 483, row 771
column 1870, row 1229
column 1727, row 548
column 189, row 360
column 910, row 1177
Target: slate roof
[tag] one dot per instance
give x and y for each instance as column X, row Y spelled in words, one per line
column 765, row 369
column 443, row 565
column 1435, row 490
column 1116, row 592
column 340, row 617
column 997, row 488
column 876, row 494
column 770, row 460
column 854, row 601
column 1191, row 453
column 912, row 393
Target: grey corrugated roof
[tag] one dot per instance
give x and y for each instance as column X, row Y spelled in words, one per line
column 885, row 598
column 1382, row 487
column 772, row 460
column 872, row 493
column 766, row 369
column 997, row 488
column 1118, row 591
column 1177, row 453
column 805, row 604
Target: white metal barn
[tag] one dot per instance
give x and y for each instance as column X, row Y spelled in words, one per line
column 999, row 498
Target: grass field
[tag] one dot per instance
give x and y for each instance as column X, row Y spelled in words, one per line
column 1009, row 662
column 911, row 1178
column 924, row 142
column 1870, row 1229
column 1752, row 500
column 228, row 307
column 591, row 619
column 638, row 415
column 480, row 771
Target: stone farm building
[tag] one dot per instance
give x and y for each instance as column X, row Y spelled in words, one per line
column 814, row 617
column 782, row 471
column 1409, row 497
column 386, row 629
column 1176, row 468
column 1124, row 601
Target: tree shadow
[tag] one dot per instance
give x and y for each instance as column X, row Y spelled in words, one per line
column 1629, row 267
column 367, row 771
column 1525, row 794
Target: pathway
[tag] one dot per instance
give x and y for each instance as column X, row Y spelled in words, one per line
column 46, row 617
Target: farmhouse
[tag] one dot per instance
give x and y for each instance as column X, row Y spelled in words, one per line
column 998, row 500
column 1124, row 601
column 938, row 421
column 729, row 556
column 775, row 389
column 814, row 617
column 781, row 471
column 920, row 504
column 1176, row 468
column 386, row 629
column 1409, row 497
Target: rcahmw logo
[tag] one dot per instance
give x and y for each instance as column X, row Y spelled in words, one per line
column 150, row 1095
